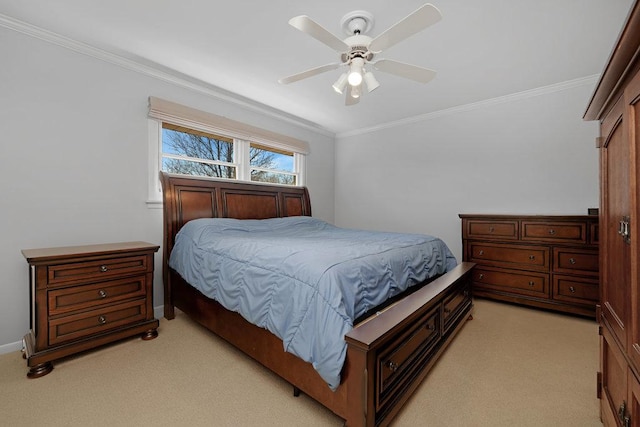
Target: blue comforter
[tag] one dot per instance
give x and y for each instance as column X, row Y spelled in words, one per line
column 302, row 278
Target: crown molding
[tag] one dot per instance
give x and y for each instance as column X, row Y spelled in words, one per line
column 153, row 70
column 531, row 93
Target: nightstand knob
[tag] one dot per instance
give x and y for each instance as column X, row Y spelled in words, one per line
column 532, row 257
column 102, row 320
column 572, row 289
column 393, row 366
column 481, row 252
column 480, row 276
column 552, row 231
column 102, row 293
column 103, row 268
column 572, row 260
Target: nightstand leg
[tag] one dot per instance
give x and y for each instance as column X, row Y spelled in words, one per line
column 40, row 370
column 150, row 334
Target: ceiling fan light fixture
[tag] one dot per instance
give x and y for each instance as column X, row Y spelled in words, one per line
column 341, row 83
column 355, row 72
column 355, row 92
column 371, row 81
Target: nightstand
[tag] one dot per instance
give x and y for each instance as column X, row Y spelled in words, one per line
column 82, row 297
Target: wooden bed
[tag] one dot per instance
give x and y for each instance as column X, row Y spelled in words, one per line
column 388, row 354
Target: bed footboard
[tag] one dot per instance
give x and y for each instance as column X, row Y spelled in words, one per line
column 390, row 354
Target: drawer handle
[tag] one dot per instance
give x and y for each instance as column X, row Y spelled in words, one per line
column 531, row 283
column 431, row 327
column 572, row 261
column 102, row 320
column 552, row 231
column 491, row 229
column 532, row 257
column 393, row 366
column 102, row 293
column 481, row 252
column 572, row 289
column 480, row 276
column 103, row 268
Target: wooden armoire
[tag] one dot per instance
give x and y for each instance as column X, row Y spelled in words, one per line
column 616, row 105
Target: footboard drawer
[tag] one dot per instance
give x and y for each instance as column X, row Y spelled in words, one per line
column 455, row 304
column 405, row 354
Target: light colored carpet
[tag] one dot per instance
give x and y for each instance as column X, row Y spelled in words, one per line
column 509, row 366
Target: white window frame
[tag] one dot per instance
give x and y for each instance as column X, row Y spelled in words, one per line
column 241, row 158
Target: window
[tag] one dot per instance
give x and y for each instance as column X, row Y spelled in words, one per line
column 191, row 142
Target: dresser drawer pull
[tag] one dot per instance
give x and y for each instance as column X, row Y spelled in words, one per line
column 103, row 268
column 532, row 257
column 572, row 289
column 393, row 366
column 481, row 252
column 102, row 293
column 480, row 276
column 552, row 231
column 491, row 229
column 431, row 327
column 102, row 320
column 572, row 261
column 532, row 283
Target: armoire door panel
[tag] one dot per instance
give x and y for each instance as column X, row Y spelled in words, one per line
column 617, row 252
column 632, row 99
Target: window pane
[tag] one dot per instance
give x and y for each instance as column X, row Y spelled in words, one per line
column 273, row 177
column 268, row 158
column 187, row 167
column 176, row 140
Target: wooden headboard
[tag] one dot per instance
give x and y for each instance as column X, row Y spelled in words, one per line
column 186, row 198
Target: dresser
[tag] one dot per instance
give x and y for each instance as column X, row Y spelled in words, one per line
column 615, row 104
column 83, row 297
column 548, row 261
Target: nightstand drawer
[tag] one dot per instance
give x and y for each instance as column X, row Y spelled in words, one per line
column 555, row 231
column 523, row 283
column 499, row 230
column 575, row 289
column 573, row 260
column 68, row 299
column 88, row 323
column 93, row 271
column 510, row 256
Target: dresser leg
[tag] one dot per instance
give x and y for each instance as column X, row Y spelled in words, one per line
column 40, row 370
column 150, row 334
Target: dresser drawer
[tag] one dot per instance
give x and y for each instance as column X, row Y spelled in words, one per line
column 574, row 260
column 554, row 231
column 492, row 229
column 510, row 256
column 398, row 362
column 575, row 289
column 88, row 323
column 73, row 273
column 522, row 283
column 65, row 300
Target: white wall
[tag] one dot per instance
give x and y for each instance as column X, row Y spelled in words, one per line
column 73, row 166
column 523, row 154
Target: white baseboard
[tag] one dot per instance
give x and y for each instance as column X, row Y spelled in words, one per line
column 11, row 347
column 158, row 312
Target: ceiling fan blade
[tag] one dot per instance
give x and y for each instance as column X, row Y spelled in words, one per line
column 350, row 100
column 408, row 71
column 308, row 73
column 415, row 22
column 315, row 30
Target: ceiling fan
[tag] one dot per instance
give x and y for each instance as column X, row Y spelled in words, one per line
column 358, row 50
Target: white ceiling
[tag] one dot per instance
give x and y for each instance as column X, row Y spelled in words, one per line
column 480, row 49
